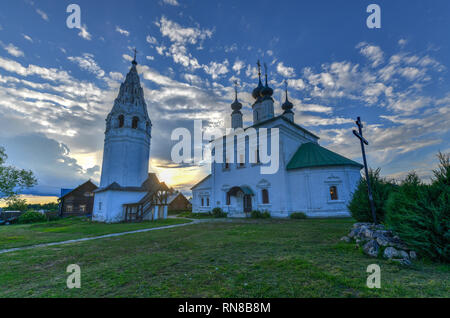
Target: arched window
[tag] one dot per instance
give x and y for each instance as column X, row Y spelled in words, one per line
column 121, row 121
column 333, row 193
column 228, row 199
column 135, row 122
column 265, row 196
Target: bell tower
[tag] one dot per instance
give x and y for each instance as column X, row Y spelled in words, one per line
column 126, row 150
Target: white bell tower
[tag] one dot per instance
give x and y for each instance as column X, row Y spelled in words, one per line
column 126, row 152
column 127, row 137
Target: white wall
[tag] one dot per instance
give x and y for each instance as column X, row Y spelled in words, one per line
column 111, row 202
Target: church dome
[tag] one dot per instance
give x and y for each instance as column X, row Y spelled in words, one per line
column 257, row 91
column 266, row 91
column 236, row 105
column 287, row 105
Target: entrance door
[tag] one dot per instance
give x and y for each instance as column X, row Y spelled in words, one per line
column 247, row 203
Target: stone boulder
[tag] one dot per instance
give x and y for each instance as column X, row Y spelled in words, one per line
column 371, row 248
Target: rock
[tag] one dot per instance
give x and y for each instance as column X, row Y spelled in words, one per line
column 346, row 239
column 382, row 240
column 402, row 261
column 368, row 233
column 412, row 255
column 371, row 248
column 390, row 253
column 353, row 233
column 403, row 254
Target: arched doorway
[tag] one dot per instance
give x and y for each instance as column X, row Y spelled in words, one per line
column 243, row 196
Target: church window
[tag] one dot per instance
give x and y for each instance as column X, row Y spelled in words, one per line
column 207, row 201
column 203, row 202
column 135, row 122
column 228, row 199
column 83, row 208
column 265, row 196
column 99, row 206
column 69, row 208
column 333, row 193
column 121, row 121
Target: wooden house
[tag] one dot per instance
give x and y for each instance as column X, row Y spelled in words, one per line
column 78, row 201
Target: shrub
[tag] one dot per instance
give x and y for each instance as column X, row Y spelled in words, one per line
column 298, row 215
column 266, row 215
column 256, row 214
column 420, row 214
column 218, row 213
column 359, row 206
column 32, row 217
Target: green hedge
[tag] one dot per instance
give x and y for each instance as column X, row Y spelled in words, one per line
column 298, row 215
column 359, row 206
column 255, row 214
column 420, row 214
column 32, row 217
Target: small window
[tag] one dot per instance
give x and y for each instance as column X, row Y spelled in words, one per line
column 333, row 193
column 83, row 208
column 228, row 199
column 265, row 196
column 203, row 202
column 121, row 121
column 69, row 208
column 99, row 206
column 135, row 123
column 207, row 201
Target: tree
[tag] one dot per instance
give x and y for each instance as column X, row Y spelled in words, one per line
column 12, row 179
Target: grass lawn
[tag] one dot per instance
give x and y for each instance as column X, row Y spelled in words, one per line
column 241, row 258
column 67, row 229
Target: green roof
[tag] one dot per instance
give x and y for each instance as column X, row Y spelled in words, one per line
column 312, row 155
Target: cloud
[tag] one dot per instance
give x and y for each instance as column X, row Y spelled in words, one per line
column 87, row 62
column 151, row 39
column 171, row 2
column 216, row 69
column 42, row 14
column 12, row 49
column 285, row 71
column 178, row 34
column 238, row 66
column 84, row 33
column 372, row 52
column 28, row 38
column 122, row 31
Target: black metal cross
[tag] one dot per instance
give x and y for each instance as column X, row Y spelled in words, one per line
column 363, row 141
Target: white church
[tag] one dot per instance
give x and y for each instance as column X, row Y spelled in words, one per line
column 310, row 178
column 128, row 192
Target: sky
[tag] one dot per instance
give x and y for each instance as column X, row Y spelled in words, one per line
column 57, row 84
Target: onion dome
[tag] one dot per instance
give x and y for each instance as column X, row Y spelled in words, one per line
column 287, row 105
column 257, row 91
column 266, row 92
column 236, row 105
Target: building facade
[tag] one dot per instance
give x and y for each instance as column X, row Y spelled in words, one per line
column 310, row 179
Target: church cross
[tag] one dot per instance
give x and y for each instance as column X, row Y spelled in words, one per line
column 259, row 69
column 135, row 51
column 235, row 87
column 363, row 141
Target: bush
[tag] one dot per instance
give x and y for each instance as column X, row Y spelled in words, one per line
column 256, row 214
column 420, row 214
column 218, row 213
column 359, row 206
column 32, row 217
column 298, row 215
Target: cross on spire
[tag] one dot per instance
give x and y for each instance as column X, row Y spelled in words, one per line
column 259, row 69
column 285, row 88
column 265, row 71
column 135, row 52
column 235, row 88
